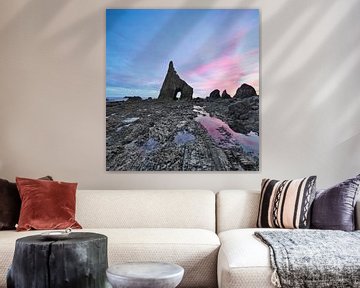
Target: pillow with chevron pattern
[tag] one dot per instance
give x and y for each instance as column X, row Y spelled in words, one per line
column 286, row 203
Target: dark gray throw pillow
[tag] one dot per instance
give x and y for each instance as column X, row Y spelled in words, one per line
column 334, row 208
column 9, row 205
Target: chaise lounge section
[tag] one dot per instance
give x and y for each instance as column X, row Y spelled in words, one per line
column 244, row 260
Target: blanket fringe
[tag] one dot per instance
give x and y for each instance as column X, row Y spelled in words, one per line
column 275, row 280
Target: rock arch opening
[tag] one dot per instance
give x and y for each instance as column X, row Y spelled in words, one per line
column 177, row 94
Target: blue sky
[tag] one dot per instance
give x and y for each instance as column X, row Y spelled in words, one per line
column 211, row 49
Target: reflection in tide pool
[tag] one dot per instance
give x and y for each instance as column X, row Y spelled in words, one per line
column 150, row 145
column 223, row 135
column 184, row 137
column 130, row 120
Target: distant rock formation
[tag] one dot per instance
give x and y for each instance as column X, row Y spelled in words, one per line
column 174, row 84
column 245, row 91
column 215, row 94
column 225, row 95
column 133, row 98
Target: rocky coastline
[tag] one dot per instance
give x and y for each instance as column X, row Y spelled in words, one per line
column 216, row 133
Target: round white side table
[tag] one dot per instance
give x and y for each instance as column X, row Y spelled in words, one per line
column 145, row 275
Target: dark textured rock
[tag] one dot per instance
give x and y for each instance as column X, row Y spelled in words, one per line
column 162, row 139
column 243, row 115
column 215, row 94
column 174, row 84
column 245, row 91
column 225, row 95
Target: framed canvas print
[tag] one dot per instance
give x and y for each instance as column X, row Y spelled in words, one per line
column 182, row 90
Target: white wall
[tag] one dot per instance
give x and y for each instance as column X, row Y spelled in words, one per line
column 52, row 89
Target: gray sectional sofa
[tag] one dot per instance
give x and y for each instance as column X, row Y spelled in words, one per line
column 210, row 235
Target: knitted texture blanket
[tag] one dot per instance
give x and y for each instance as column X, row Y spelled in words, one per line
column 313, row 258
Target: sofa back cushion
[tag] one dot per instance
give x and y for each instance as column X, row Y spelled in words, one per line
column 236, row 209
column 146, row 209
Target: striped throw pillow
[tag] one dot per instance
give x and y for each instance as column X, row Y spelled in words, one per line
column 286, row 204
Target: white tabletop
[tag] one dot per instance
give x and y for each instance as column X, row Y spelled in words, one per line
column 146, row 270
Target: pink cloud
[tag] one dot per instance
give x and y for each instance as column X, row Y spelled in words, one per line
column 228, row 72
column 232, row 44
column 221, row 73
column 224, row 62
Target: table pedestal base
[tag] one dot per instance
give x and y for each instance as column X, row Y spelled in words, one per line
column 79, row 261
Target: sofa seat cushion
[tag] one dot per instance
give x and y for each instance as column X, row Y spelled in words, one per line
column 244, row 261
column 194, row 249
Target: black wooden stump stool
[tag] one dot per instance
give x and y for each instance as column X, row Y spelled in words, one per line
column 79, row 261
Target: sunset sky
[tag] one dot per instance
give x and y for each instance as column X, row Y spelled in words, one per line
column 211, row 49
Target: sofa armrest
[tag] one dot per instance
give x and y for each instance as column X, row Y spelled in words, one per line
column 357, row 215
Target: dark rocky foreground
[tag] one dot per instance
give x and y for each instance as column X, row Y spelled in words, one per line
column 195, row 135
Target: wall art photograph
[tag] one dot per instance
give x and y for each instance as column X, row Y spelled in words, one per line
column 182, row 89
